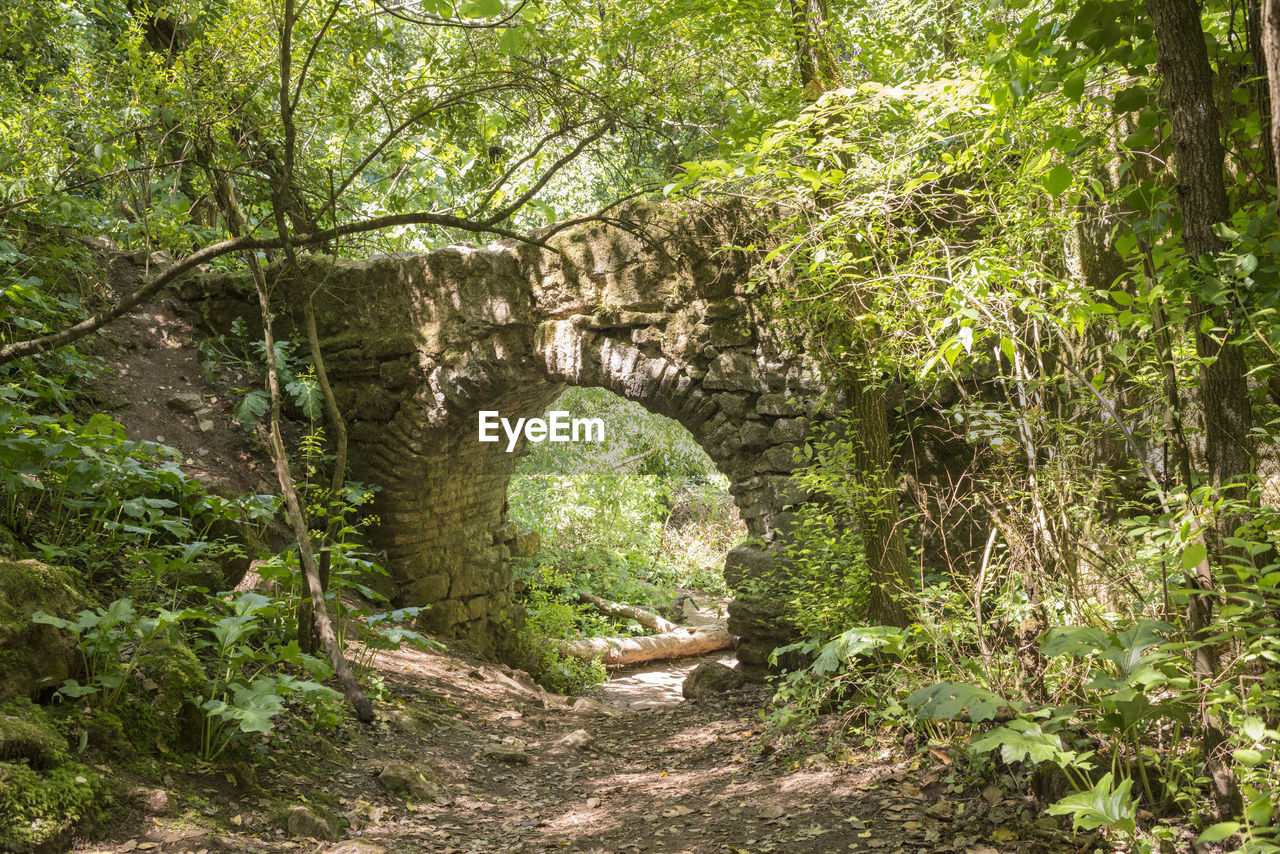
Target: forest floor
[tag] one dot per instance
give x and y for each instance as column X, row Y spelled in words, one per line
column 506, row 766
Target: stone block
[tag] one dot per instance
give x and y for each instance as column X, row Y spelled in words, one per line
column 443, row 616
column 753, row 434
column 400, row 778
column 426, row 589
column 787, row 430
column 470, row 581
column 776, row 404
column 396, row 374
column 721, row 309
column 304, row 822
column 28, row 650
column 376, row 404
column 752, row 618
column 777, row 458
column 501, row 578
column 479, row 607
column 734, row 370
column 731, row 335
column 709, row 680
column 748, row 561
column 526, row 544
column 733, row 405
column 783, row 490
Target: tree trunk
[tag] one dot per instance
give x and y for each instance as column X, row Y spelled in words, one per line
column 306, row 557
column 1202, row 195
column 1183, row 62
column 648, row 619
column 1254, row 25
column 683, row 642
column 1270, row 38
column 877, row 509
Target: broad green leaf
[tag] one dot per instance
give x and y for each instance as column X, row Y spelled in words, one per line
column 1218, row 832
column 949, row 700
column 1079, row 641
column 483, row 9
column 249, row 410
column 1056, row 180
column 512, row 41
column 1247, row 756
column 1192, row 555
column 1100, row 805
column 1131, row 99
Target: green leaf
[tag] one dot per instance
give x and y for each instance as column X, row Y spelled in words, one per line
column 1192, row 555
column 483, row 9
column 1022, row 740
column 949, row 700
column 307, row 396
column 1131, row 99
column 1218, row 832
column 513, row 40
column 1056, row 180
column 1100, row 805
column 1226, row 233
column 251, row 409
column 57, row 622
column 1007, row 348
column 1247, row 757
column 1078, row 641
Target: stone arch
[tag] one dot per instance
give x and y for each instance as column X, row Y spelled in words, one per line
column 655, row 311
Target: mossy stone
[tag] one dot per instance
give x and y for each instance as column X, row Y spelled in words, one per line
column 42, row 794
column 178, row 675
column 38, row 807
column 28, row 734
column 35, row 655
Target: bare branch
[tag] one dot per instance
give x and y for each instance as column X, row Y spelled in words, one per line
column 528, row 194
column 311, row 52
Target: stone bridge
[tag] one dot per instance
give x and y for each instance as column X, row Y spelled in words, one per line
column 657, row 312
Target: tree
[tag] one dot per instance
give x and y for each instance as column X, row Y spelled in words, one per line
column 877, row 510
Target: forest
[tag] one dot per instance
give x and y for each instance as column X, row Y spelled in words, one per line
column 936, row 351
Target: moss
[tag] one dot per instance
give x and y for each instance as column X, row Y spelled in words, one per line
column 38, row 807
column 38, row 746
column 178, row 676
column 33, row 656
column 42, row 793
column 104, row 732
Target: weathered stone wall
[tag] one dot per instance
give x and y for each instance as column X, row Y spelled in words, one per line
column 417, row 345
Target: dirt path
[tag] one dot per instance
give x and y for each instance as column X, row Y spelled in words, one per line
column 508, row 767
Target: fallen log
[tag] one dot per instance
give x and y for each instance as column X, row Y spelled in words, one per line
column 684, row 641
column 648, row 619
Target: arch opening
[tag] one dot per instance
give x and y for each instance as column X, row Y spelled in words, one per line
column 645, row 509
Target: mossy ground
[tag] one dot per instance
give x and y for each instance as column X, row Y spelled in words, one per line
column 43, row 792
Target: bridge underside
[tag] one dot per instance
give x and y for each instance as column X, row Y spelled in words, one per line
column 416, row 346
